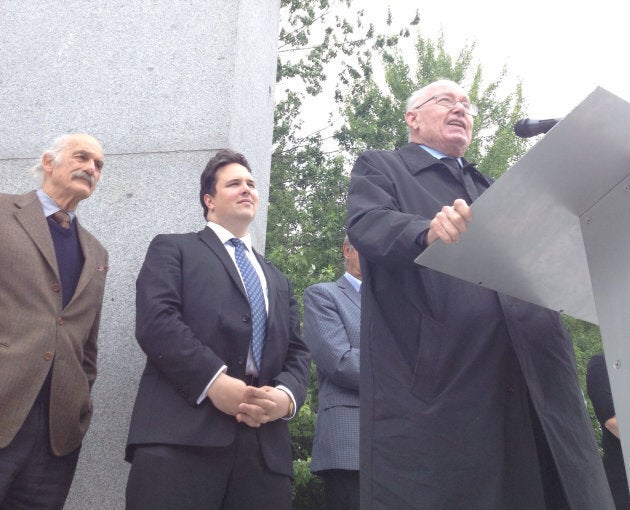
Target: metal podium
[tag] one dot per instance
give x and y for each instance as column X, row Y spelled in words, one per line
column 554, row 230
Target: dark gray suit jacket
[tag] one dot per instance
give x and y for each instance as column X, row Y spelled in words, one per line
column 332, row 317
column 192, row 317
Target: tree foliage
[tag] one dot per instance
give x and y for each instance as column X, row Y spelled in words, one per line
column 308, row 184
column 309, row 178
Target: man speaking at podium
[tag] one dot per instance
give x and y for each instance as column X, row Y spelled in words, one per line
column 469, row 398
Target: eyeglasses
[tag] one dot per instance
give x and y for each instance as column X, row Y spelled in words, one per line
column 447, row 102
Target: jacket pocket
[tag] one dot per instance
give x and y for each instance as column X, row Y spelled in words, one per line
column 426, row 375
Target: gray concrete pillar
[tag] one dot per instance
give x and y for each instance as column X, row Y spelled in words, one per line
column 162, row 84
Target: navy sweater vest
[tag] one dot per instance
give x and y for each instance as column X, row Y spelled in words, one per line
column 69, row 257
column 70, row 263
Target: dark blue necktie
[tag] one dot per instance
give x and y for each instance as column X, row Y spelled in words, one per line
column 463, row 175
column 256, row 299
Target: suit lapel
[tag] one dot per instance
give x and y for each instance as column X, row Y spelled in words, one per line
column 210, row 239
column 271, row 285
column 30, row 215
column 416, row 158
column 213, row 242
column 349, row 291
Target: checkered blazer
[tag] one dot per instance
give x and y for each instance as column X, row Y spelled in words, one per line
column 332, row 313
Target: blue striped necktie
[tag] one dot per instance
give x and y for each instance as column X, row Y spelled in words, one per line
column 256, row 299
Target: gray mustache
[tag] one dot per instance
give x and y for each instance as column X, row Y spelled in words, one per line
column 80, row 174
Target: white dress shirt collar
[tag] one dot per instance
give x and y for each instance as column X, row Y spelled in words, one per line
column 225, row 235
column 355, row 282
column 50, row 206
column 439, row 155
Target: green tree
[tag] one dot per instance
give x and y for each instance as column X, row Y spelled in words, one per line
column 309, row 180
column 308, row 184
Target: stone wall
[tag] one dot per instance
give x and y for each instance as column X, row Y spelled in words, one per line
column 162, row 85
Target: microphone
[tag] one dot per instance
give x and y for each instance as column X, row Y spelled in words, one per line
column 526, row 128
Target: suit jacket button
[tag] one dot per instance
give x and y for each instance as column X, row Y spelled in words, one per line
column 240, row 360
column 56, row 287
column 48, row 356
column 60, row 321
column 246, row 318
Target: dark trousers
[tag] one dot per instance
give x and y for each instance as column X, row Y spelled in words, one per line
column 341, row 489
column 232, row 478
column 31, row 477
column 620, row 494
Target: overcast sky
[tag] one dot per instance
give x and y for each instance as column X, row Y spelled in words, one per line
column 560, row 50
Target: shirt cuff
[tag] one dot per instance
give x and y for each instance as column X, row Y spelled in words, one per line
column 290, row 393
column 222, row 370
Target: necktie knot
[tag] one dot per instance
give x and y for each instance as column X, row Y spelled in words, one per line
column 62, row 217
column 451, row 162
column 463, row 176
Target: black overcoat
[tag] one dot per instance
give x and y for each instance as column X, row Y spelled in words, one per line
column 450, row 371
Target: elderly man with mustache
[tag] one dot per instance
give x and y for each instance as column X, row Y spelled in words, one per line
column 52, row 276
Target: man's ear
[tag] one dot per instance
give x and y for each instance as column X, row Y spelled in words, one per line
column 346, row 250
column 209, row 201
column 48, row 161
column 410, row 118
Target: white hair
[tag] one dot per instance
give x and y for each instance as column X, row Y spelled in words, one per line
column 421, row 93
column 55, row 151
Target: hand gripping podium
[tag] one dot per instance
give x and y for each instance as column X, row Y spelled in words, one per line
column 554, row 230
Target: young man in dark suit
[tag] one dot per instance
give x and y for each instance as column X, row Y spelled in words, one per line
column 226, row 366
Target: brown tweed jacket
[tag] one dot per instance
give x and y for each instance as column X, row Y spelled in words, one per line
column 36, row 332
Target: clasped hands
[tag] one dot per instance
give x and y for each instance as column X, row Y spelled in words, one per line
column 248, row 404
column 449, row 223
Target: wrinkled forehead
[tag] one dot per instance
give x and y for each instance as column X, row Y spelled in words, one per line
column 84, row 143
